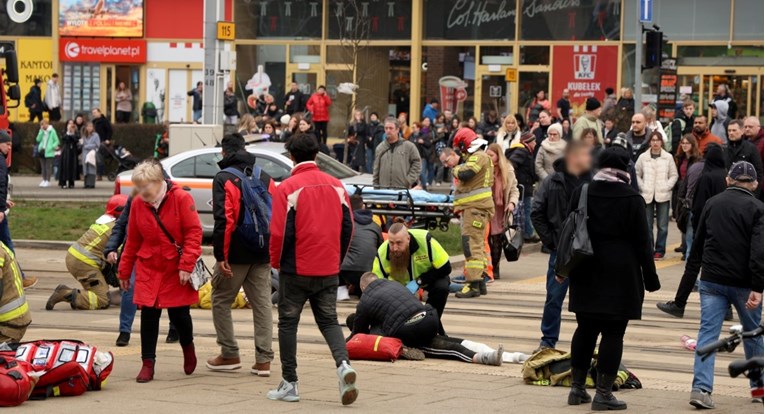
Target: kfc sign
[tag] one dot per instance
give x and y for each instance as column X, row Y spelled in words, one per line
column 586, row 71
column 102, row 50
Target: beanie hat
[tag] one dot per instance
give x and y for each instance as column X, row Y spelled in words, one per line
column 614, row 157
column 592, row 104
column 4, row 137
column 528, row 137
column 555, row 127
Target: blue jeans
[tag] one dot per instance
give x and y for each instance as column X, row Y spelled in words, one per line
column 556, row 293
column 715, row 299
column 426, row 174
column 370, row 160
column 689, row 235
column 127, row 307
column 662, row 222
column 197, row 115
column 528, row 227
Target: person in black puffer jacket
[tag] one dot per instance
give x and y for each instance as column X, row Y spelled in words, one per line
column 389, row 309
column 367, row 238
column 521, row 154
column 712, row 181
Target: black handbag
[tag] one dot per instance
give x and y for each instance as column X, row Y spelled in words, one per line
column 682, row 211
column 512, row 242
column 110, row 274
column 574, row 244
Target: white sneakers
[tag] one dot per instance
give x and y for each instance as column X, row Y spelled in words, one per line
column 44, row 183
column 288, row 391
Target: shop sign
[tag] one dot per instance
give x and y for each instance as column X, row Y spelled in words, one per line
column 102, row 18
column 288, row 19
column 470, row 19
column 102, row 50
column 453, row 91
column 35, row 62
column 376, row 20
column 586, row 71
column 667, row 99
column 570, row 20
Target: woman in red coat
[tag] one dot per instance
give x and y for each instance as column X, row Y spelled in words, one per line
column 318, row 106
column 162, row 275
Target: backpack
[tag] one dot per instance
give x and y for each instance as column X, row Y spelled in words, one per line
column 16, row 383
column 257, row 204
column 672, row 141
column 28, row 100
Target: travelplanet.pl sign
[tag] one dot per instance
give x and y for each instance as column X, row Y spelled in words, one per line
column 102, row 50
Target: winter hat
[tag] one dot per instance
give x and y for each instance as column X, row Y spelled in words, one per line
column 528, row 137
column 743, row 171
column 4, row 137
column 285, row 119
column 620, row 141
column 555, row 127
column 592, row 104
column 614, row 157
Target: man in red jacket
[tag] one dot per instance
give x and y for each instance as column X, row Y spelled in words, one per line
column 311, row 230
column 318, row 105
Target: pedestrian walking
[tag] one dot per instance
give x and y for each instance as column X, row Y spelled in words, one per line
column 311, row 230
column 504, row 192
column 91, row 142
column 638, row 137
column 230, row 105
column 164, row 241
column 358, row 126
column 724, row 95
column 521, row 155
column 657, row 175
column 754, row 133
column 34, row 102
column 397, row 162
column 592, row 110
column 196, row 102
column 703, row 135
column 376, row 135
column 367, row 239
column 563, row 107
column 549, row 211
column 239, row 264
column 740, row 149
column 67, row 173
column 47, row 144
column 551, row 150
column 688, row 156
column 508, row 134
column 124, row 99
column 607, row 289
column 318, row 105
column 53, row 98
column 728, row 249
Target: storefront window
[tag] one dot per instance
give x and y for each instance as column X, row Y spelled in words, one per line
column 272, row 60
column 535, row 55
column 468, row 20
column 305, row 54
column 570, row 20
column 377, row 20
column 82, row 88
column 278, row 19
column 16, row 20
column 687, row 19
column 720, row 55
column 746, row 19
column 450, row 78
column 491, row 55
column 529, row 84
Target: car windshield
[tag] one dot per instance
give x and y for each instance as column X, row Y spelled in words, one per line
column 331, row 166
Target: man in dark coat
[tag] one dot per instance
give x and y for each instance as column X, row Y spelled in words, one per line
column 103, row 128
column 33, row 101
column 741, row 149
column 728, row 249
column 294, row 100
column 521, row 155
column 607, row 289
column 367, row 238
column 548, row 213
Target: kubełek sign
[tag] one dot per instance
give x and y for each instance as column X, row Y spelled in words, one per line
column 101, row 18
column 586, row 71
column 102, row 50
column 470, row 19
column 356, row 19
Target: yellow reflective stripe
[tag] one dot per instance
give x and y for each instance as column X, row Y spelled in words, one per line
column 482, row 190
column 24, row 307
column 474, row 197
column 2, row 261
column 93, row 300
column 18, row 312
column 56, row 391
column 82, row 257
column 377, row 342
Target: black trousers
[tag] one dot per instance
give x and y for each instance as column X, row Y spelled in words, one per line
column 588, row 328
column 438, row 293
column 321, row 131
column 54, row 114
column 180, row 318
column 123, row 117
column 495, row 246
column 422, row 332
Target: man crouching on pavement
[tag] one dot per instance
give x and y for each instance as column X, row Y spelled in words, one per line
column 389, row 309
column 14, row 309
column 85, row 260
column 473, row 198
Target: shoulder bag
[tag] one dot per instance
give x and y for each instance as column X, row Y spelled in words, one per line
column 574, row 244
column 201, row 274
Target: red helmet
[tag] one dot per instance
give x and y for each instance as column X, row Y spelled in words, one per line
column 463, row 138
column 116, row 204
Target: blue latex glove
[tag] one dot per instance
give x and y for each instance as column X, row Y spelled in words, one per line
column 413, row 286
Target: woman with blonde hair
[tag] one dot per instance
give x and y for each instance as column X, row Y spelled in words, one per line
column 506, row 194
column 247, row 125
column 509, row 133
column 164, row 241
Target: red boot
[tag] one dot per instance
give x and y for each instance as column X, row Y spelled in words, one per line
column 147, row 371
column 189, row 359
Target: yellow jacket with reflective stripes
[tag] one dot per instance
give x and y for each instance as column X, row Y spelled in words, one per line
column 475, row 192
column 89, row 248
column 14, row 309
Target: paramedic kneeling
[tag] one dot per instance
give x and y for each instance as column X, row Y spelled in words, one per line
column 14, row 309
column 416, row 260
column 388, row 309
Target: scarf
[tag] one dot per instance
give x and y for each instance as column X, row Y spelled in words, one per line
column 612, row 175
column 160, row 197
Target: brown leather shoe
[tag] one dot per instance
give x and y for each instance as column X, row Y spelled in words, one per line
column 223, row 364
column 261, row 369
column 29, row 282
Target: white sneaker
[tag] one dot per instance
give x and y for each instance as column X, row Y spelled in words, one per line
column 47, row 184
column 342, row 294
column 287, row 391
column 42, row 183
column 348, row 390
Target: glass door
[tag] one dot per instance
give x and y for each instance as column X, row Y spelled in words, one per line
column 495, row 95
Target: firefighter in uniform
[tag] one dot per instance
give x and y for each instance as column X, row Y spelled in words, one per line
column 14, row 309
column 473, row 198
column 84, row 261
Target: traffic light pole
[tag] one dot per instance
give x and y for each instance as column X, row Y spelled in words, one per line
column 638, row 90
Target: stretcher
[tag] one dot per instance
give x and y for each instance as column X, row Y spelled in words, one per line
column 420, row 208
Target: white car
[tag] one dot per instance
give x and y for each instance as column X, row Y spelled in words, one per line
column 194, row 171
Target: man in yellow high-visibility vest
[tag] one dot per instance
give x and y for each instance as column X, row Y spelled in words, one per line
column 14, row 309
column 84, row 261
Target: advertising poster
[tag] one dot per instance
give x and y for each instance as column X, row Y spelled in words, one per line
column 666, row 103
column 101, row 18
column 586, row 71
column 155, row 90
column 35, row 61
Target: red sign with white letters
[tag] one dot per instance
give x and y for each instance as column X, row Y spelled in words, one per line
column 586, row 71
column 102, row 50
